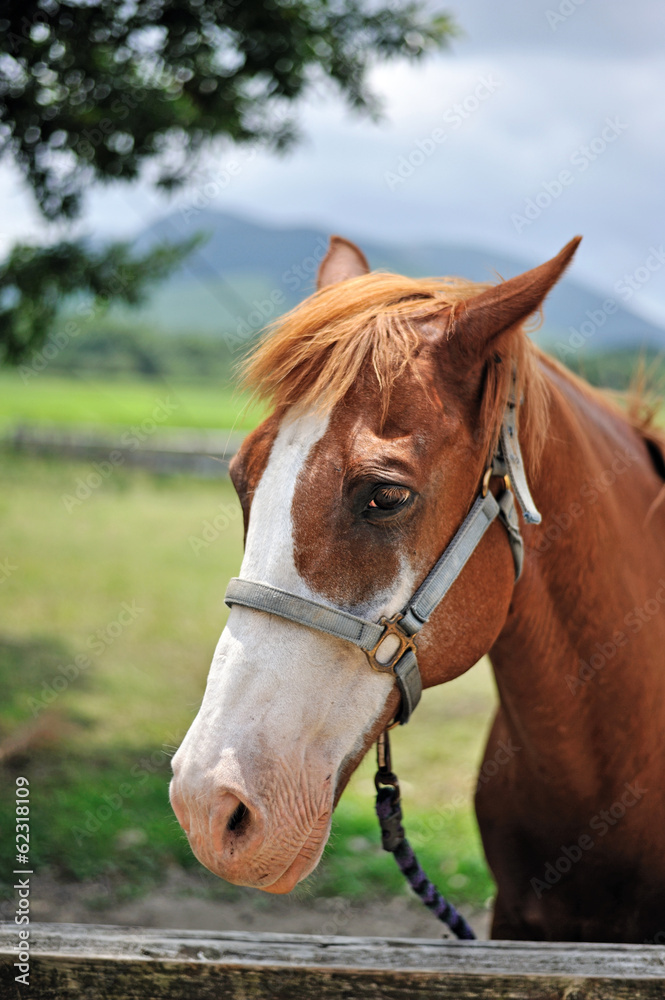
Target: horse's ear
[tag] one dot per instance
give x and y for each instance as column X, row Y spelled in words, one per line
column 343, row 260
column 476, row 323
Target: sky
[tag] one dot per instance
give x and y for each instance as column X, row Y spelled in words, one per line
column 545, row 119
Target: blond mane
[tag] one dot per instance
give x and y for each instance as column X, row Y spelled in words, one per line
column 314, row 354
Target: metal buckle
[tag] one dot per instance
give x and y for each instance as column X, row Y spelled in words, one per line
column 391, row 627
column 489, row 473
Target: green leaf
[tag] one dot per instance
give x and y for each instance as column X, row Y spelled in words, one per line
column 36, row 282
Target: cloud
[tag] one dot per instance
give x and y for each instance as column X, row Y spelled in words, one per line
column 559, row 83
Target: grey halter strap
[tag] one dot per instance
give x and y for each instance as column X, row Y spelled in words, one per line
column 370, row 636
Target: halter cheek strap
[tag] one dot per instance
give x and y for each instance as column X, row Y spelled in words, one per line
column 510, row 453
column 377, row 639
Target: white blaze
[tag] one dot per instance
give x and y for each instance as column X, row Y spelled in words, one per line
column 279, row 692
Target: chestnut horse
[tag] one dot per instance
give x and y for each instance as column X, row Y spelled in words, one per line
column 388, row 396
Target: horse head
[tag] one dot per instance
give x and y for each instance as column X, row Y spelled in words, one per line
column 388, row 397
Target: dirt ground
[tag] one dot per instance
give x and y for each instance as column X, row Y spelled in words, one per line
column 188, row 901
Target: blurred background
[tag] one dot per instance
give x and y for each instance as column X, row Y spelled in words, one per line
column 170, row 173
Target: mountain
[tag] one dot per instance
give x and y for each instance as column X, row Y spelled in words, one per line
column 248, row 273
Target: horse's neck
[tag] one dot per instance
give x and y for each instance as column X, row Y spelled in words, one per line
column 580, row 658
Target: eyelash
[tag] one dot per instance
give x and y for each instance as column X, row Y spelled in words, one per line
column 397, row 498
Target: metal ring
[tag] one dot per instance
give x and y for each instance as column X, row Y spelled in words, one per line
column 486, row 480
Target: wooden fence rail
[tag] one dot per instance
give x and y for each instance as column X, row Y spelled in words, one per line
column 203, row 453
column 117, row 963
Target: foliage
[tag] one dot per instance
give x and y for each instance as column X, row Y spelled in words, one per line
column 96, row 90
column 93, row 90
column 34, row 281
column 619, row 369
column 114, row 348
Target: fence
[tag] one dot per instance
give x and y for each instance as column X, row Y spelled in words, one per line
column 116, row 963
column 203, row 453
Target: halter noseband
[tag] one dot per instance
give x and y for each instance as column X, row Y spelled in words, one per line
column 370, row 636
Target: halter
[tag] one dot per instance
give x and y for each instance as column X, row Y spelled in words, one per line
column 404, row 627
column 369, row 636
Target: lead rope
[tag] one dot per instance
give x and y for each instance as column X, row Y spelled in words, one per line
column 393, row 839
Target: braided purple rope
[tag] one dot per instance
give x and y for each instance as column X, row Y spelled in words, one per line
column 389, row 813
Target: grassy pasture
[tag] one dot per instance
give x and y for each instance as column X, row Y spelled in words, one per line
column 97, row 402
column 116, row 581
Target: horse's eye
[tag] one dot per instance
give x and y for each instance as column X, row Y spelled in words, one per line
column 390, row 498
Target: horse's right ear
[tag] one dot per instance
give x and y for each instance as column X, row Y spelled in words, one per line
column 343, row 260
column 476, row 325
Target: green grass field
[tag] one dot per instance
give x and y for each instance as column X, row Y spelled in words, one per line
column 117, row 583
column 95, row 402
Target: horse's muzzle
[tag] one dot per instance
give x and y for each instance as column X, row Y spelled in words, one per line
column 227, row 836
column 233, row 838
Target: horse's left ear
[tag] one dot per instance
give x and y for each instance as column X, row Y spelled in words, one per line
column 343, row 260
column 476, row 323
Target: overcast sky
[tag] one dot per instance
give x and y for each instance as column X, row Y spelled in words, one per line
column 543, row 121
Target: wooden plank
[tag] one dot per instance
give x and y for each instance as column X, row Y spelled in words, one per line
column 117, row 963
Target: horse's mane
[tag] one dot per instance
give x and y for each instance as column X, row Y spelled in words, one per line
column 314, row 354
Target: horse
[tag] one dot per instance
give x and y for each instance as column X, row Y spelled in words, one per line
column 388, row 398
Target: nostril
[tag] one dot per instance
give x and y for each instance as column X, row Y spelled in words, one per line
column 234, row 825
column 238, row 817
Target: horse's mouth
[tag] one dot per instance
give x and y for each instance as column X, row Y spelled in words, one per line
column 305, row 861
